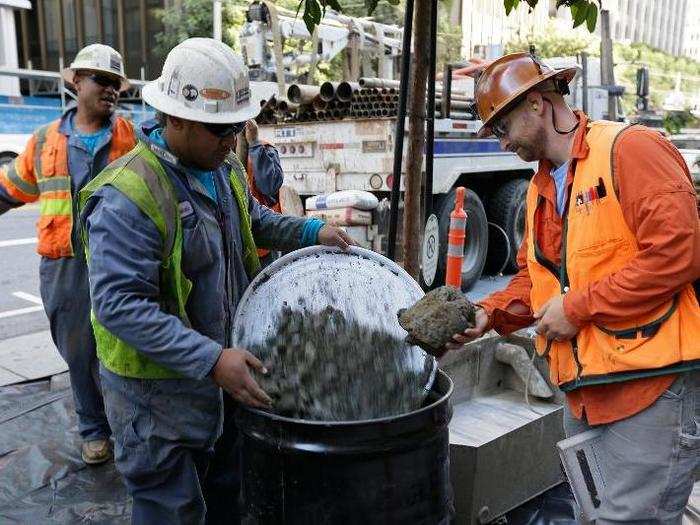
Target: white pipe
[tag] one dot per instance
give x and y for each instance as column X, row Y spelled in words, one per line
column 217, row 20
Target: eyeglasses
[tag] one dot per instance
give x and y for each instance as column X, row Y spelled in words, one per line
column 224, row 130
column 499, row 128
column 106, row 81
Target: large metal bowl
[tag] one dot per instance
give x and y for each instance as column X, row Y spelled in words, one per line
column 363, row 285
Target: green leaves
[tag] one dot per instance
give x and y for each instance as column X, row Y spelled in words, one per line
column 510, row 5
column 583, row 11
column 314, row 10
column 592, row 17
column 312, row 14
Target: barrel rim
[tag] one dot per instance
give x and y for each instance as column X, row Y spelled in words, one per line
column 359, row 422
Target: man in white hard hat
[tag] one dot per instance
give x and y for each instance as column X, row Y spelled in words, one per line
column 171, row 234
column 61, row 158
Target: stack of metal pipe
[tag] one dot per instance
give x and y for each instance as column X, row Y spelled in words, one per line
column 366, row 99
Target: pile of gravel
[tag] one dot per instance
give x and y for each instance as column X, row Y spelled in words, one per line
column 323, row 366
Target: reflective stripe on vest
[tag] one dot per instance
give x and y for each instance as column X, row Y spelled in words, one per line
column 53, row 184
column 237, row 177
column 597, row 242
column 141, row 178
column 16, row 184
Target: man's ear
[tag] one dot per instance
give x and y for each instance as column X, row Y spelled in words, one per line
column 534, row 102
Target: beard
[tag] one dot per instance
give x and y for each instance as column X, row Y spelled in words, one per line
column 526, row 153
column 532, row 147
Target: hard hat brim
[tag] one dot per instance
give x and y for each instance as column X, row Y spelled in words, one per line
column 68, row 75
column 567, row 74
column 155, row 98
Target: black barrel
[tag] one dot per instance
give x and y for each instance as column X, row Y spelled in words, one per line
column 391, row 470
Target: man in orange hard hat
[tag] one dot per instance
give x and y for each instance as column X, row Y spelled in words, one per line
column 607, row 265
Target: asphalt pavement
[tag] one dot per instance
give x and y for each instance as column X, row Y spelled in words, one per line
column 20, row 305
column 26, row 349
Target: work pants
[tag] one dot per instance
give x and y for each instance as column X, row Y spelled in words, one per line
column 65, row 293
column 164, row 436
column 648, row 460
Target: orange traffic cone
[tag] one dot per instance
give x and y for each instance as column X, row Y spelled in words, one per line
column 455, row 241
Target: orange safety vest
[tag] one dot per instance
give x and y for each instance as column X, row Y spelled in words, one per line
column 41, row 172
column 261, row 198
column 596, row 243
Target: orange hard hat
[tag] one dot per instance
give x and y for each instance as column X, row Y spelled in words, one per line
column 506, row 80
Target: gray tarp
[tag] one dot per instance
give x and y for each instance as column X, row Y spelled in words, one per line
column 42, row 478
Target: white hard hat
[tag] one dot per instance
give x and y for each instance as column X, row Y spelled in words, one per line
column 98, row 58
column 203, row 80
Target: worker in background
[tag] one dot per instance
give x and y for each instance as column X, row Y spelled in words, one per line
column 61, row 158
column 607, row 265
column 265, row 177
column 171, row 234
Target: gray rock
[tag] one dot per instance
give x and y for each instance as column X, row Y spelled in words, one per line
column 433, row 320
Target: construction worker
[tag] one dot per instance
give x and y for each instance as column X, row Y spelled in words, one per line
column 264, row 176
column 60, row 158
column 607, row 265
column 171, row 236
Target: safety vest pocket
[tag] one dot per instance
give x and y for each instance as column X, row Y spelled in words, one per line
column 54, row 236
column 48, row 161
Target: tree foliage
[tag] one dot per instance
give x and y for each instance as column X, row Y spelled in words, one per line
column 663, row 67
column 193, row 18
column 582, row 11
column 551, row 42
column 676, row 121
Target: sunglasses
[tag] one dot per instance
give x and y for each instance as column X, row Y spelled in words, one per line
column 224, row 130
column 499, row 128
column 105, row 81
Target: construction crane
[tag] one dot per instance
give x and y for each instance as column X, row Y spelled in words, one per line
column 372, row 48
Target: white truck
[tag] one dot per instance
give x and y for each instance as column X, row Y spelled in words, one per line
column 357, row 154
column 323, row 157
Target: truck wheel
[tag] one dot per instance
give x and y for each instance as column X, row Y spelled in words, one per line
column 6, row 158
column 507, row 210
column 477, row 242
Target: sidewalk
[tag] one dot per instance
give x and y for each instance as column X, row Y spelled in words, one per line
column 29, row 357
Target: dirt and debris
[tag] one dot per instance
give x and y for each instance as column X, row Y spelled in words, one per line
column 433, row 320
column 324, row 366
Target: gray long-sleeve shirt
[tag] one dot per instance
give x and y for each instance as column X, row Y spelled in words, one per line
column 125, row 259
column 267, row 169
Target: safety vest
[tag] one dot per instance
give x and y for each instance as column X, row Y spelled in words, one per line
column 143, row 180
column 596, row 242
column 41, row 172
column 261, row 198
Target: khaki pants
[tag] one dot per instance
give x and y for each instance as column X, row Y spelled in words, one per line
column 648, row 460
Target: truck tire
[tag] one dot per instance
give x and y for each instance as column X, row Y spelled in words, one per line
column 476, row 245
column 6, row 158
column 507, row 210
